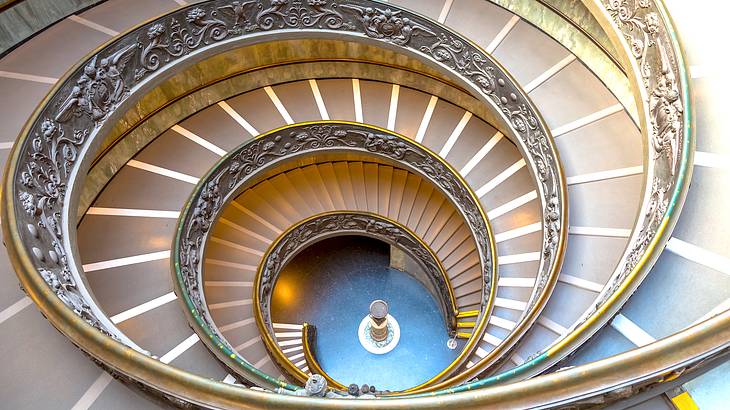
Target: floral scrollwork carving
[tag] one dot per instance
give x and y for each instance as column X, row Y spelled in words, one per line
column 538, row 147
column 457, row 55
column 239, row 11
column 645, row 32
column 641, row 26
column 207, row 204
column 240, row 166
column 177, row 39
column 387, row 24
column 43, row 189
column 263, row 151
column 666, row 109
column 298, row 14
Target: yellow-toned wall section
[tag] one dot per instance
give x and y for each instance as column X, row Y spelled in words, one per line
column 684, row 402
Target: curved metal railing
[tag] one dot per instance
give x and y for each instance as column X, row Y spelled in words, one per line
column 133, row 61
column 308, row 335
column 46, row 167
column 643, row 33
column 242, row 167
column 331, row 224
column 47, row 164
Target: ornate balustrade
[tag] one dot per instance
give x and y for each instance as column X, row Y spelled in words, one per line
column 331, row 224
column 242, row 168
column 642, row 32
column 130, row 64
column 48, row 163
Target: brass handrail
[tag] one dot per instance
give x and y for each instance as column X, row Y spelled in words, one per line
column 696, row 341
column 661, row 88
column 243, row 167
column 347, row 222
column 308, row 334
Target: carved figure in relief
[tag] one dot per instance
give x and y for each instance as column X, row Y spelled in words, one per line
column 666, row 109
column 239, row 10
column 99, row 88
column 388, row 24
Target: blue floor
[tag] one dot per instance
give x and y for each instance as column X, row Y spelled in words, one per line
column 331, row 285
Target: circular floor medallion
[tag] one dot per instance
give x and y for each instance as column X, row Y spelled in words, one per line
column 373, row 346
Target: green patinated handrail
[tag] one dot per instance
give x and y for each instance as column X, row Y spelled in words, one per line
column 243, row 166
column 36, row 254
column 347, row 222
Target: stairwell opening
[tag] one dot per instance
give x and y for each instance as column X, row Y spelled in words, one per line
column 331, row 285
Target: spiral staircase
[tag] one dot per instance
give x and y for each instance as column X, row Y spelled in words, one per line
column 166, row 161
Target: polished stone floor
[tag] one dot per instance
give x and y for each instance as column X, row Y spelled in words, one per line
column 331, row 285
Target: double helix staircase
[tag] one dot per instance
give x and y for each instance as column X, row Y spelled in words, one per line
column 127, row 225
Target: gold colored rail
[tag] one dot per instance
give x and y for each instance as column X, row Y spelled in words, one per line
column 308, row 335
column 646, row 365
column 473, row 338
column 266, row 333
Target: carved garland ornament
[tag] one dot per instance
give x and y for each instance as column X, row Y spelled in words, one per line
column 236, row 169
column 93, row 92
column 641, row 25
